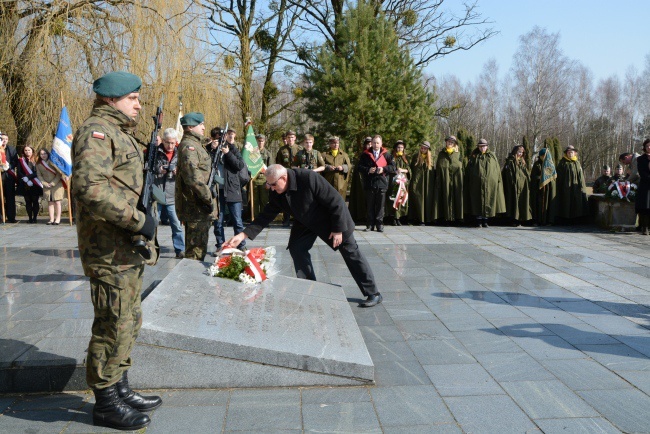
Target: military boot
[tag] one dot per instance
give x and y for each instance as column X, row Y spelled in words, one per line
column 110, row 411
column 134, row 399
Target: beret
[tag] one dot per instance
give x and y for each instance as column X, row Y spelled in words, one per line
column 260, row 136
column 290, row 133
column 451, row 139
column 367, row 139
column 426, row 145
column 116, row 84
column 482, row 142
column 192, row 119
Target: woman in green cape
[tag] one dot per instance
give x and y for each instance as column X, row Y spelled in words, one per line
column 448, row 192
column 516, row 186
column 357, row 203
column 542, row 188
column 421, row 186
column 571, row 194
column 483, row 185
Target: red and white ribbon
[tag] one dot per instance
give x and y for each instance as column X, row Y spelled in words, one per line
column 402, row 192
column 29, row 172
column 254, row 269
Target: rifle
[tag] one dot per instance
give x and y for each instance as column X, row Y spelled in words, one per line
column 215, row 176
column 151, row 194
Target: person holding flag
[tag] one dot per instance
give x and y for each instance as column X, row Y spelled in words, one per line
column 61, row 156
column 252, row 158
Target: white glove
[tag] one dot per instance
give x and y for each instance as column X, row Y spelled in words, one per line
column 25, row 179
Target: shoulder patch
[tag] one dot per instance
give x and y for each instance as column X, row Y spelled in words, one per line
column 98, row 135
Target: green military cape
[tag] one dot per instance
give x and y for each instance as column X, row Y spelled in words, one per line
column 260, row 193
column 571, row 191
column 483, row 185
column 421, row 187
column 448, row 194
column 516, row 189
column 338, row 180
column 403, row 210
column 541, row 196
column 357, row 203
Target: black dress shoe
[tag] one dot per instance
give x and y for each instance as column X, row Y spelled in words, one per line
column 134, row 399
column 111, row 411
column 380, row 229
column 398, row 223
column 372, row 300
column 485, row 225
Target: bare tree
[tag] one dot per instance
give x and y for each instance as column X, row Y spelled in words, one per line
column 256, row 41
column 543, row 79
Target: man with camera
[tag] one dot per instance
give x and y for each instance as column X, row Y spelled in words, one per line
column 166, row 168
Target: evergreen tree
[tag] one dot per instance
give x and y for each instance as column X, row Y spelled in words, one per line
column 557, row 150
column 370, row 87
column 527, row 151
column 460, row 136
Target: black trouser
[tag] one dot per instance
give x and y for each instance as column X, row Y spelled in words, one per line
column 375, row 200
column 9, row 192
column 32, row 206
column 302, row 240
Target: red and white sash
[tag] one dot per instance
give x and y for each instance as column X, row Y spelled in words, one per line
column 402, row 192
column 254, row 269
column 52, row 171
column 29, row 172
column 623, row 188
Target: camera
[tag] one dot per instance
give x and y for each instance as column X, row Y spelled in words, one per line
column 170, row 171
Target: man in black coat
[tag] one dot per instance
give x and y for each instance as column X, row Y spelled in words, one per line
column 231, row 167
column 377, row 165
column 319, row 211
column 9, row 178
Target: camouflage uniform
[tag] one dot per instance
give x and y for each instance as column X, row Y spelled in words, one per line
column 261, row 194
column 308, row 159
column 338, row 180
column 107, row 180
column 286, row 155
column 193, row 195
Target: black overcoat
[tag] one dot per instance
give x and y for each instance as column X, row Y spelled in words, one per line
column 314, row 204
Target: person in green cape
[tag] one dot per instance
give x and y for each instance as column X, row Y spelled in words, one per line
column 260, row 192
column 483, row 185
column 448, row 192
column 421, row 186
column 357, row 203
column 571, row 194
column 516, row 186
column 542, row 188
column 402, row 166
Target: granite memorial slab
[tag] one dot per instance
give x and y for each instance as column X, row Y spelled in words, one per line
column 213, row 332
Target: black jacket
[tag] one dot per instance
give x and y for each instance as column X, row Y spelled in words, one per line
column 312, row 201
column 376, row 181
column 232, row 164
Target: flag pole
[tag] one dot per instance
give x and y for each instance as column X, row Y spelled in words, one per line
column 2, row 198
column 251, row 189
column 67, row 183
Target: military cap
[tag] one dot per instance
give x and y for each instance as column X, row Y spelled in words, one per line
column 192, row 119
column 334, row 139
column 426, row 144
column 399, row 142
column 231, row 130
column 606, row 167
column 116, row 84
column 451, row 139
column 367, row 139
column 482, row 142
column 260, row 136
column 290, row 133
column 570, row 148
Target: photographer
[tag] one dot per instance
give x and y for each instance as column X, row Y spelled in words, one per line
column 166, row 167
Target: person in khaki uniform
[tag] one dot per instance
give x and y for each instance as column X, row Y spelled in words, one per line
column 196, row 206
column 285, row 157
column 260, row 192
column 308, row 157
column 53, row 190
column 107, row 180
column 337, row 167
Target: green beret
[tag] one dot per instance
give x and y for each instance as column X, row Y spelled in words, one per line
column 116, row 84
column 192, row 119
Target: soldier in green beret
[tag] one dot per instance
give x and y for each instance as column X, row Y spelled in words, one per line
column 195, row 203
column 107, row 180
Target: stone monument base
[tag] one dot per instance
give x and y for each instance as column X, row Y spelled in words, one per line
column 206, row 332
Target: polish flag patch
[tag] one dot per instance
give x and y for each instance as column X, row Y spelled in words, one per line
column 98, row 135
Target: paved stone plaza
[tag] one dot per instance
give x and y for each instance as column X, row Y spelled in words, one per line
column 499, row 330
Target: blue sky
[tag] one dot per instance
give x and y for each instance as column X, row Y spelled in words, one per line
column 605, row 36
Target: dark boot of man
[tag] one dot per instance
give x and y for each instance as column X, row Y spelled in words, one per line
column 110, row 411
column 134, row 399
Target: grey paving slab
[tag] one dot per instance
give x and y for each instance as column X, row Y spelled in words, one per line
column 461, row 380
column 626, row 409
column 585, row 374
column 489, row 414
column 638, row 379
column 335, row 394
column 381, row 333
column 576, row 425
column 513, row 367
column 173, row 420
column 440, row 351
column 427, row 329
column 258, row 410
column 423, row 429
column 547, row 399
column 487, row 342
column 192, row 398
column 397, row 373
column 410, row 405
column 617, row 357
column 390, row 351
column 38, row 421
column 343, row 417
column 548, row 347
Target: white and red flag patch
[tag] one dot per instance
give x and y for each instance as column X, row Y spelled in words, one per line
column 98, row 135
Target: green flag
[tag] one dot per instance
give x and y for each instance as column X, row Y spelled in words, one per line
column 251, row 154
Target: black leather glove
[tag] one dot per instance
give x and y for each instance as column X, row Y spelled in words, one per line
column 149, row 228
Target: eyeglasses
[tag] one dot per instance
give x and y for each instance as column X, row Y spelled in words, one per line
column 168, row 143
column 274, row 183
